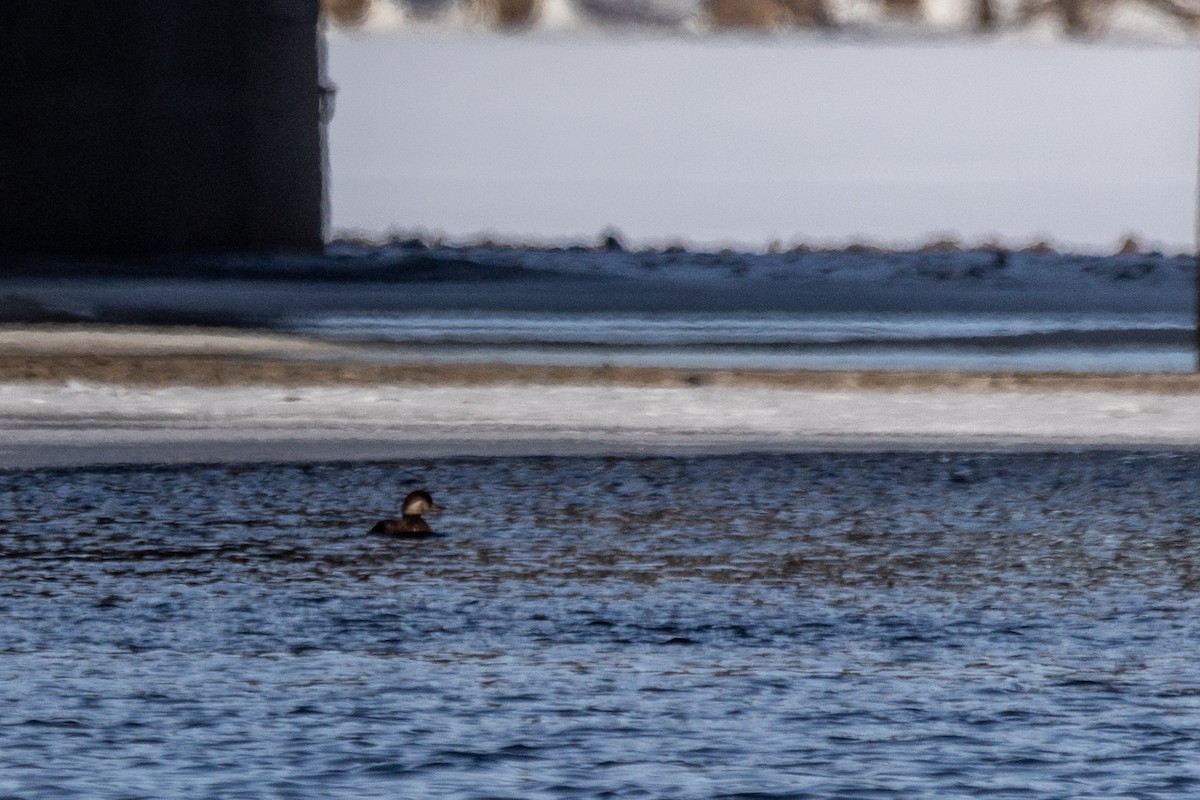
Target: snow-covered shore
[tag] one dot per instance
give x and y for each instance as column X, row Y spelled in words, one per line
column 73, row 395
column 82, row 423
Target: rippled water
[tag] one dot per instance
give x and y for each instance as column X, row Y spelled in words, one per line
column 856, row 625
column 1145, row 341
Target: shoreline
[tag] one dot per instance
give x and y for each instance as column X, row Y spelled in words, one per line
column 228, row 357
column 229, row 370
column 78, row 424
column 38, row 456
column 77, row 397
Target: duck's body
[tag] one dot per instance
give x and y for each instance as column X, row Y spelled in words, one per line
column 410, row 525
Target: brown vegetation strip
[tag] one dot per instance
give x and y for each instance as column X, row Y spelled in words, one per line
column 205, row 370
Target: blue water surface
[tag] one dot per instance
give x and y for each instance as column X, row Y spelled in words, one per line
column 824, row 625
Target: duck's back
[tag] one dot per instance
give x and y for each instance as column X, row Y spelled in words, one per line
column 405, row 526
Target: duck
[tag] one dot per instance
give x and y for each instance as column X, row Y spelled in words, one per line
column 410, row 524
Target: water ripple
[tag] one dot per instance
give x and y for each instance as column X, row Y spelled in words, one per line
column 823, row 625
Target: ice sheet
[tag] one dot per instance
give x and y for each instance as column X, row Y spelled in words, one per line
column 85, row 423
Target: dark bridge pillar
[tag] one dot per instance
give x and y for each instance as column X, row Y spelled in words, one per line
column 160, row 126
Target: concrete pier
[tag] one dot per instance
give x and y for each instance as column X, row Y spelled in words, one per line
column 161, row 126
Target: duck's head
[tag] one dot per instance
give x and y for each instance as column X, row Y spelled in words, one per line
column 418, row 503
